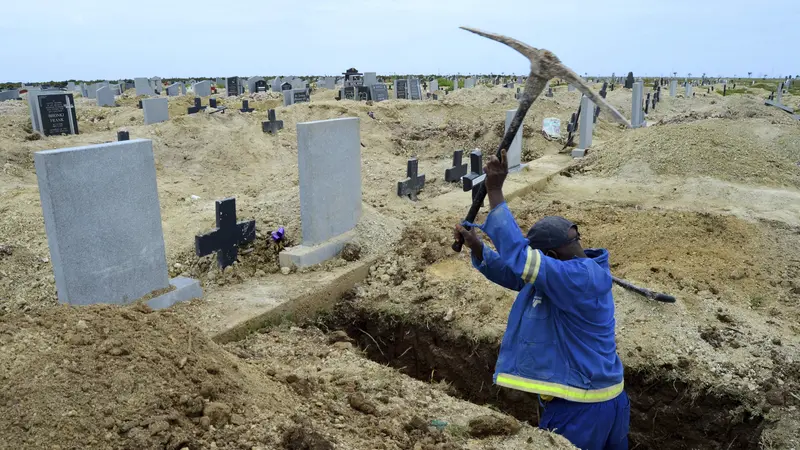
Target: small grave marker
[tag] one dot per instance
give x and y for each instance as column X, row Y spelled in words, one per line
column 123, row 135
column 586, row 128
column 246, row 107
column 637, row 116
column 155, row 110
column 473, row 180
column 197, row 106
column 458, row 170
column 55, row 113
column 105, row 97
column 413, row 183
column 233, row 87
column 226, row 238
column 271, row 126
column 647, row 104
column 515, row 149
column 380, row 92
column 212, row 102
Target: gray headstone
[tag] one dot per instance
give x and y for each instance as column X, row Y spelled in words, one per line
column 155, row 110
column 175, row 89
column 71, row 86
column 370, row 78
column 105, row 97
column 329, row 163
column 202, row 88
column 434, row 86
column 12, row 94
column 673, row 87
column 688, row 90
column 330, row 83
column 379, row 92
column 414, row 89
column 54, row 113
column 103, row 223
column 637, row 114
column 292, row 96
column 469, row 83
column 251, row 84
column 586, row 124
column 91, row 91
column 143, row 86
column 515, row 150
column 401, row 89
column 779, row 94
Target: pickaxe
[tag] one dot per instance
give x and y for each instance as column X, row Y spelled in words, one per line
column 545, row 66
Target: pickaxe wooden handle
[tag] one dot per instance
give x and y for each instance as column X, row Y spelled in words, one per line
column 544, row 66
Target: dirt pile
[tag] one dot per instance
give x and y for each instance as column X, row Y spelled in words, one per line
column 108, row 377
column 752, row 150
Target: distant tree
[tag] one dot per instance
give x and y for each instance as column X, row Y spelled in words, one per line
column 749, row 74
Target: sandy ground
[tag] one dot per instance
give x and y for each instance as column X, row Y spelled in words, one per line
column 702, row 204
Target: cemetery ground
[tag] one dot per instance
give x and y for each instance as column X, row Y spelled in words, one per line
column 702, row 204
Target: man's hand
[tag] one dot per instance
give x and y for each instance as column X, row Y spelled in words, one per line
column 496, row 171
column 470, row 238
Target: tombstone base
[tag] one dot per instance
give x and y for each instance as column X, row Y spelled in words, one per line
column 304, row 256
column 578, row 152
column 517, row 168
column 185, row 289
column 271, row 127
column 779, row 105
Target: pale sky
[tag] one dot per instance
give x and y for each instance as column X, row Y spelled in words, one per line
column 42, row 40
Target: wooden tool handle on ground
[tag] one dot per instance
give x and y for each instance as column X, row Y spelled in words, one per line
column 652, row 295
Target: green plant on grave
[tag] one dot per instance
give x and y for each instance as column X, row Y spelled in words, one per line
column 733, row 91
column 444, row 82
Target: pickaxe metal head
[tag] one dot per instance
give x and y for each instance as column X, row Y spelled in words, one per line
column 545, row 66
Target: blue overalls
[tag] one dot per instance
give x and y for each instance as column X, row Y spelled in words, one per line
column 559, row 340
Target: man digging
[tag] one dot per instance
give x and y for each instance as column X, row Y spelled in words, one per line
column 559, row 341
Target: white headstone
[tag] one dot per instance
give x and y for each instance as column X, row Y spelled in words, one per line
column 585, row 127
column 329, row 160
column 155, row 110
column 104, row 198
column 515, row 150
column 673, row 87
column 202, row 88
column 105, row 97
column 370, row 78
column 637, row 114
column 143, row 86
column 434, row 86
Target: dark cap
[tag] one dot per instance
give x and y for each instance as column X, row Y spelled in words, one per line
column 550, row 232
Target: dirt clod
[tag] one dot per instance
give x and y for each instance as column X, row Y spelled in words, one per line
column 300, row 438
column 483, row 426
column 218, row 413
column 360, row 403
column 351, row 252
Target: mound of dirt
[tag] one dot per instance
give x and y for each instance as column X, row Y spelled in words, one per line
column 106, row 377
column 752, row 150
column 110, row 377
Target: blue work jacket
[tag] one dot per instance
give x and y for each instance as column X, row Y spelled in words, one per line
column 559, row 340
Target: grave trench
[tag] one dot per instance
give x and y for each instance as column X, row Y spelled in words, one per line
column 664, row 414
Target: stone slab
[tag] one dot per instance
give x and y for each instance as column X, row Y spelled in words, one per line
column 202, row 88
column 184, row 289
column 515, row 150
column 12, row 94
column 586, row 123
column 143, row 86
column 329, row 160
column 105, row 97
column 578, row 152
column 155, row 110
column 779, row 105
column 103, row 221
column 304, row 256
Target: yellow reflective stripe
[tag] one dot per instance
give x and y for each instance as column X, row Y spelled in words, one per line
column 560, row 390
column 533, row 258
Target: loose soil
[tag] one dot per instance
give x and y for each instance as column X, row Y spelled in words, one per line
column 702, row 204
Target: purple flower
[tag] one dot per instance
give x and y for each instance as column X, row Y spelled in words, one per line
column 278, row 234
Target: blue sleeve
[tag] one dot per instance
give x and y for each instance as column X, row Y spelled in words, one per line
column 493, row 268
column 564, row 282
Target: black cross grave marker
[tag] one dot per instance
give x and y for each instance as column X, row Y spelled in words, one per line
column 246, row 107
column 647, row 103
column 212, row 102
column 123, row 136
column 272, row 126
column 603, row 93
column 197, row 106
column 549, row 92
column 413, row 183
column 724, row 89
column 458, row 170
column 473, row 180
column 226, row 238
